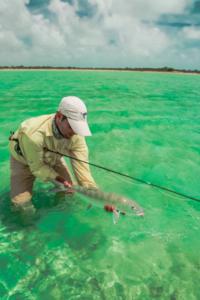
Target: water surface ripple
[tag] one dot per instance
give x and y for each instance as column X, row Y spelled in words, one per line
column 146, row 125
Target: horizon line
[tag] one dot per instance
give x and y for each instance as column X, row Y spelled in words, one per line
column 166, row 69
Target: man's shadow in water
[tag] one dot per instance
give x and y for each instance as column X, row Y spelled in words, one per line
column 42, row 201
column 78, row 233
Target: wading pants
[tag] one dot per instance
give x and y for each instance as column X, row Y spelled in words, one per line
column 22, row 180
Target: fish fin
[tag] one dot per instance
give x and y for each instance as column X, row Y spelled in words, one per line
column 116, row 215
column 89, row 206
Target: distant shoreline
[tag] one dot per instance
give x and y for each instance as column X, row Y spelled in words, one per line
column 149, row 70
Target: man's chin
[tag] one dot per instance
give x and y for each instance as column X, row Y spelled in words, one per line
column 68, row 136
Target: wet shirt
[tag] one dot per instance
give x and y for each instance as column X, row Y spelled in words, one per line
column 36, row 138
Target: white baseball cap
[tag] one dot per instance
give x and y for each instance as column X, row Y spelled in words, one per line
column 76, row 112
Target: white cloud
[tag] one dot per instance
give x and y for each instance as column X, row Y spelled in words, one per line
column 15, row 17
column 148, row 9
column 118, row 34
column 192, row 33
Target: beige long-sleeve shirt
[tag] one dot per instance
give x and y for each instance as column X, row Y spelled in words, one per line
column 36, row 137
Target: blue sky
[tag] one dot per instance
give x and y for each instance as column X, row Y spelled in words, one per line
column 100, row 33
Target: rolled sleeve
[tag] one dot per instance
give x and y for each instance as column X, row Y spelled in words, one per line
column 81, row 169
column 33, row 153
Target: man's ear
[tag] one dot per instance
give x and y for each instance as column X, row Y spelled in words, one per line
column 58, row 115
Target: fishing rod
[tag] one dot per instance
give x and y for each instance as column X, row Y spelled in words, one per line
column 130, row 177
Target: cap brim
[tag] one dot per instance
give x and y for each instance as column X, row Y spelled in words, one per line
column 80, row 127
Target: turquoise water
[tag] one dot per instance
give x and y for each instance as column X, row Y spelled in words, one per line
column 144, row 124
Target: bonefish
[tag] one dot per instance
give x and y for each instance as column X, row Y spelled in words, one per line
column 120, row 204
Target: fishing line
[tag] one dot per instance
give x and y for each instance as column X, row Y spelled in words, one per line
column 130, row 177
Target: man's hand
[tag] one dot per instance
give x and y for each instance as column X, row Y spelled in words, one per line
column 67, row 184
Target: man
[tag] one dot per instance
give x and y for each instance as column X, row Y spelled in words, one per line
column 31, row 155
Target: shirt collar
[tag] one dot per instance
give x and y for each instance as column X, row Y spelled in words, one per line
column 55, row 130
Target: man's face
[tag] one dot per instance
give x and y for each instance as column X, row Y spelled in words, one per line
column 64, row 126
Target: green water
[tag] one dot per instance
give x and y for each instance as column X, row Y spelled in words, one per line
column 144, row 124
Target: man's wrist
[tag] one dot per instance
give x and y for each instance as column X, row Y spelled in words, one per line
column 60, row 179
column 63, row 181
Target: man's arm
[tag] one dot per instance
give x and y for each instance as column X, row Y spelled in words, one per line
column 81, row 170
column 66, row 183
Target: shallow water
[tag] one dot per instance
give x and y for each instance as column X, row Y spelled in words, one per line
column 144, row 124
